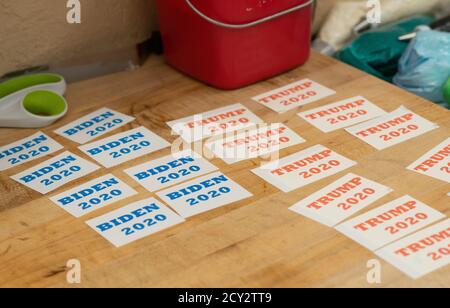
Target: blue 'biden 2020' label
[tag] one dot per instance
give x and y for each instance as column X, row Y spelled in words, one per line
column 203, row 194
column 135, row 221
column 93, row 195
column 26, row 150
column 170, row 170
column 55, row 172
column 124, row 147
column 94, row 125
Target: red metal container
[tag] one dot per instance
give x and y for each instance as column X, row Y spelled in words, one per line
column 234, row 43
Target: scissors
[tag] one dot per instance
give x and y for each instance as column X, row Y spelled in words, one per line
column 442, row 25
column 32, row 101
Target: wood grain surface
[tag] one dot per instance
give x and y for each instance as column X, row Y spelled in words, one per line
column 257, row 242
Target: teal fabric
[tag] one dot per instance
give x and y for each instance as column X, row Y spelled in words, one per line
column 425, row 66
column 377, row 52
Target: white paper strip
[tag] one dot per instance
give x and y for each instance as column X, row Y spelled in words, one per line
column 435, row 163
column 393, row 128
column 294, row 95
column 303, row 168
column 134, row 222
column 341, row 199
column 389, row 222
column 170, row 170
column 94, row 125
column 124, row 147
column 421, row 253
column 216, row 122
column 55, row 172
column 254, row 143
column 26, row 150
column 342, row 114
column 203, row 194
column 93, row 195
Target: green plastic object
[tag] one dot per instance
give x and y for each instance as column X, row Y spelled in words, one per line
column 378, row 52
column 21, row 83
column 44, row 103
column 447, row 92
column 32, row 101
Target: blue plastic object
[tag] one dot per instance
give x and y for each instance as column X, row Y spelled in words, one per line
column 424, row 68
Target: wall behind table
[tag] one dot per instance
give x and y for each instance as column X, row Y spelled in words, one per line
column 37, row 33
column 322, row 11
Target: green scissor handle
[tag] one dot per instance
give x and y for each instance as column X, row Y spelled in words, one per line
column 447, row 91
column 32, row 101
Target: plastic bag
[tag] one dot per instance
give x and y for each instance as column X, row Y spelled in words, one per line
column 425, row 66
column 377, row 52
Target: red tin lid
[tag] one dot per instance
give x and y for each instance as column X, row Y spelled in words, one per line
column 243, row 11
